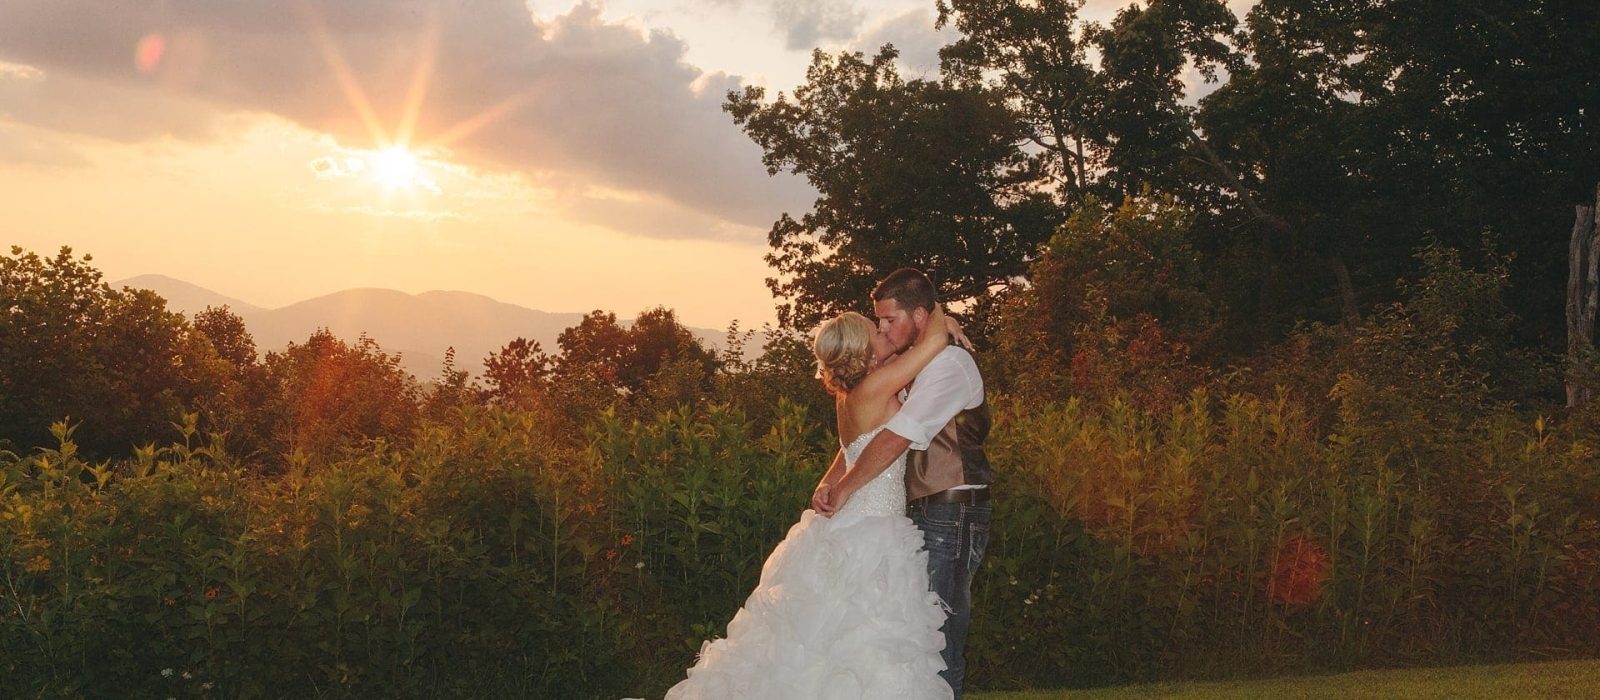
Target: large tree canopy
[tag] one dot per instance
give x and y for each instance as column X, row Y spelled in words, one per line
column 1343, row 136
column 909, row 173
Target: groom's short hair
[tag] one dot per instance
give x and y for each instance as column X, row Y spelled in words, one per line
column 909, row 288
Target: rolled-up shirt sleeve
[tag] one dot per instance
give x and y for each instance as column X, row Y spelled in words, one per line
column 943, row 389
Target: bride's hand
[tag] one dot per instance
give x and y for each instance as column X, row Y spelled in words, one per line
column 956, row 336
column 937, row 326
column 819, row 500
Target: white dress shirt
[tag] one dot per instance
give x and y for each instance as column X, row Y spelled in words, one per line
column 949, row 385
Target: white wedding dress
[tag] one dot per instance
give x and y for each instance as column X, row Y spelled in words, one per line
column 842, row 612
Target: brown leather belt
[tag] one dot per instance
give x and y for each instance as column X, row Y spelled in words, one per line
column 967, row 496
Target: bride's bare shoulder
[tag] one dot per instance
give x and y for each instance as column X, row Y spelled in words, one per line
column 859, row 414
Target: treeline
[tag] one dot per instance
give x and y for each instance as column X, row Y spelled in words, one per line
column 124, row 371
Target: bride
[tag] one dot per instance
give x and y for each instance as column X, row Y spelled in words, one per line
column 843, row 610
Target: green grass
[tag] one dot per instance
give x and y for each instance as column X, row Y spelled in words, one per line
column 1559, row 679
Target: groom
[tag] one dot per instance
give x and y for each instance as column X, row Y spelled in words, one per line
column 944, row 421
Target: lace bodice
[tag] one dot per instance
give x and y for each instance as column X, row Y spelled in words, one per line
column 886, row 493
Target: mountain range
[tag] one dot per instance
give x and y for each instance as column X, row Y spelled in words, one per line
column 417, row 326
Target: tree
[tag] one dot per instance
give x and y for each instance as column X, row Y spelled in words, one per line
column 1118, row 297
column 654, row 362
column 233, row 407
column 656, row 340
column 592, row 349
column 627, row 359
column 783, row 373
column 451, row 390
column 327, row 393
column 908, row 173
column 115, row 361
column 517, row 374
column 1143, row 55
column 1373, row 126
column 1036, row 55
column 1106, row 127
column 228, row 335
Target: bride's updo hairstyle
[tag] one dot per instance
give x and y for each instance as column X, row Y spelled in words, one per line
column 842, row 347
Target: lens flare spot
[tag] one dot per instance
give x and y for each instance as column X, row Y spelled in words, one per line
column 148, row 53
column 1299, row 571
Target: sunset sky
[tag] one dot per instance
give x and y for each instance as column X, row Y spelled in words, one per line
column 560, row 156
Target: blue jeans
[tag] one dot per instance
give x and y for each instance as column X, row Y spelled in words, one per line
column 956, row 535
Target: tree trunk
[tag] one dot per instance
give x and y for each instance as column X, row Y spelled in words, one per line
column 1583, row 295
column 1347, row 294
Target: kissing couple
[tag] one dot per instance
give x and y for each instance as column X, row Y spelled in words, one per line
column 868, row 596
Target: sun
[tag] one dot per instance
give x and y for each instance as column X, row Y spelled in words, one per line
column 398, row 169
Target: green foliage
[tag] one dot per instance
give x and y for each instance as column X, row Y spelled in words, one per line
column 1118, row 298
column 1439, row 358
column 326, row 394
column 1109, row 126
column 490, row 557
column 458, row 566
column 71, row 346
column 1365, row 128
column 495, row 554
column 1228, row 537
column 452, row 390
column 695, row 504
column 517, row 373
column 232, row 408
column 784, row 373
column 653, row 364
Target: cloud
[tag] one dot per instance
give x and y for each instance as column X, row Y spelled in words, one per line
column 571, row 94
column 633, row 214
column 27, row 146
column 416, row 215
column 912, row 33
column 331, row 168
column 809, row 23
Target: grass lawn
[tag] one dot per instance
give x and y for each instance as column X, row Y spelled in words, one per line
column 1557, row 679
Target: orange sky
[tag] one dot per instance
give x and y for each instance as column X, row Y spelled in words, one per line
column 562, row 156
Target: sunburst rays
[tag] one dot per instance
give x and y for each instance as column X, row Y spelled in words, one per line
column 398, row 156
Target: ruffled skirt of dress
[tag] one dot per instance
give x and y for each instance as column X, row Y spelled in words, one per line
column 842, row 612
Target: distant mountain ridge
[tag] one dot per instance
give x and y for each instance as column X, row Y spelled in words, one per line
column 185, row 297
column 417, row 326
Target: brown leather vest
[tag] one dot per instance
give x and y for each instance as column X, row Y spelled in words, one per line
column 954, row 457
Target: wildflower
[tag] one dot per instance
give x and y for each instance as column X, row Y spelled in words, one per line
column 206, row 685
column 188, row 676
column 168, row 601
column 38, row 564
column 211, row 592
column 639, row 565
column 627, row 539
column 166, row 673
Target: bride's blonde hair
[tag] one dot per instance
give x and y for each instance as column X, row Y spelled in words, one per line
column 843, row 351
